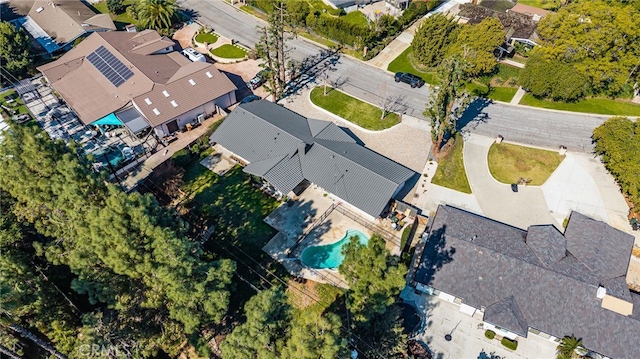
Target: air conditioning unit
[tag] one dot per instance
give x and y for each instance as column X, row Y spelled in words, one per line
column 200, row 118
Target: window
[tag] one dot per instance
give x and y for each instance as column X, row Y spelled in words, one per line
column 148, row 101
column 165, row 93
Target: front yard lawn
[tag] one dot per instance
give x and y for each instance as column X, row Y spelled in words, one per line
column 233, row 205
column 403, row 63
column 351, row 109
column 229, row 51
column 504, row 94
column 208, row 37
column 450, row 172
column 16, row 105
column 597, row 105
column 508, row 163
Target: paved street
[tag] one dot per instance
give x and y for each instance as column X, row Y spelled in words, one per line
column 516, row 123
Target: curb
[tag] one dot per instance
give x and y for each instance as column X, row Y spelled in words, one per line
column 345, row 120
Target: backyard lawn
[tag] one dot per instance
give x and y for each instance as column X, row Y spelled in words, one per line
column 351, row 109
column 16, row 105
column 121, row 20
column 508, row 163
column 450, row 172
column 208, row 37
column 597, row 105
column 236, row 208
column 357, row 18
column 228, row 51
column 402, row 63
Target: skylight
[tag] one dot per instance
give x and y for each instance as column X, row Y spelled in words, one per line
column 165, row 93
column 148, row 101
column 174, row 103
column 155, row 110
column 209, row 75
column 193, row 83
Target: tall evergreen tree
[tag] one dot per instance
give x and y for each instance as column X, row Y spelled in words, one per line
column 15, row 49
column 272, row 48
column 433, row 39
column 316, row 337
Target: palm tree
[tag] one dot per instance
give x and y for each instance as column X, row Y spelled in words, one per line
column 569, row 348
column 156, row 14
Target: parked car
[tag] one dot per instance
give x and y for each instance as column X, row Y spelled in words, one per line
column 258, row 79
column 250, row 98
column 411, row 79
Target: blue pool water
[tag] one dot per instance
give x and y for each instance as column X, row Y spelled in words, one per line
column 330, row 255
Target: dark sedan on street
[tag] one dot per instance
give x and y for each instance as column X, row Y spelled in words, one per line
column 411, row 79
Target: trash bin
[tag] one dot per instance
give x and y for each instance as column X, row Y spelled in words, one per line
column 514, row 187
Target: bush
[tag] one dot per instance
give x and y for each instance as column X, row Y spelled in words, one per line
column 553, row 79
column 116, row 7
column 490, row 334
column 181, row 158
column 405, row 235
column 509, row 344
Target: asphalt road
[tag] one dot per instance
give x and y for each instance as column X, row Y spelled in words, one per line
column 515, row 123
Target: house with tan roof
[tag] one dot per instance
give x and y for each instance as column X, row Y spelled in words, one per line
column 56, row 24
column 535, row 13
column 136, row 79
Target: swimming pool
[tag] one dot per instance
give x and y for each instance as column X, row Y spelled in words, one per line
column 330, row 255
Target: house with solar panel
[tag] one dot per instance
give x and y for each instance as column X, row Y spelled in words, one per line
column 138, row 80
column 290, row 151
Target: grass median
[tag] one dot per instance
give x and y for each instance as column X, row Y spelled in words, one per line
column 450, row 172
column 508, row 163
column 353, row 110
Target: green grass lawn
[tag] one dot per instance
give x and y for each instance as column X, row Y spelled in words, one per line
column 17, row 105
column 121, row 20
column 236, row 208
column 228, row 51
column 507, row 72
column 541, row 4
column 356, row 18
column 402, row 63
column 504, row 94
column 508, row 163
column 208, row 37
column 359, row 112
column 450, row 172
column 597, row 105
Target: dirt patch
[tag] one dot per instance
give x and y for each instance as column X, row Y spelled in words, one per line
column 633, row 274
column 297, row 289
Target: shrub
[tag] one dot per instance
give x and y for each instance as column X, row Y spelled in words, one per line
column 181, row 158
column 509, row 344
column 116, row 7
column 405, row 236
column 490, row 334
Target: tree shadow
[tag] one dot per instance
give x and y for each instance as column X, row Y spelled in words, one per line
column 434, row 256
column 474, row 115
column 10, row 10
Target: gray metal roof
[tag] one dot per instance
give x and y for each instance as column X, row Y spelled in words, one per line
column 133, row 119
column 281, row 147
column 550, row 298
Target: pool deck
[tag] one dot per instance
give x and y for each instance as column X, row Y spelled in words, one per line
column 303, row 216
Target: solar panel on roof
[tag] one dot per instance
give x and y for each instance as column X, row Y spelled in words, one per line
column 109, row 66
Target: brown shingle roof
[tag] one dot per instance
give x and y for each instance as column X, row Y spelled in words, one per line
column 92, row 96
column 62, row 20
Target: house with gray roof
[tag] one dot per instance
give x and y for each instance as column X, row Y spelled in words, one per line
column 535, row 282
column 285, row 149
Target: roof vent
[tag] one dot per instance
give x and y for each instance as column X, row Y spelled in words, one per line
column 148, row 101
column 209, row 75
column 475, row 236
column 165, row 93
column 40, row 9
column 601, row 292
column 155, row 110
column 174, row 103
column 193, row 83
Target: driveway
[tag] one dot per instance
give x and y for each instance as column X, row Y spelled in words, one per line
column 467, row 337
column 520, row 209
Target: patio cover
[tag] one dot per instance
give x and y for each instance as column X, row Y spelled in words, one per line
column 109, row 119
column 38, row 33
column 133, row 120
